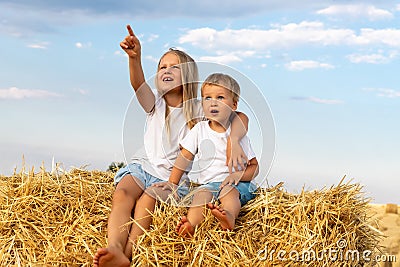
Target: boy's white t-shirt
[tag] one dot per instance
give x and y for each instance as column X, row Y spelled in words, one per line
column 210, row 148
column 160, row 147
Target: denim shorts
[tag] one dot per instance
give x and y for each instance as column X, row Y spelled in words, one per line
column 246, row 190
column 146, row 179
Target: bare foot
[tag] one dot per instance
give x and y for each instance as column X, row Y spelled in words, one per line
column 226, row 220
column 184, row 227
column 111, row 256
column 100, row 252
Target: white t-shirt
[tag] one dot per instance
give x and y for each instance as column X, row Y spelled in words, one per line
column 160, row 147
column 210, row 148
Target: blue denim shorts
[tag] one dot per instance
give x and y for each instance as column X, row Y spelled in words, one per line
column 246, row 190
column 146, row 179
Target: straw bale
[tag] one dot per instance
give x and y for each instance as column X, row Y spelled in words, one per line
column 54, row 219
column 331, row 220
column 60, row 219
column 391, row 208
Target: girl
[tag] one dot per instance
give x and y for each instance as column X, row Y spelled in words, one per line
column 171, row 112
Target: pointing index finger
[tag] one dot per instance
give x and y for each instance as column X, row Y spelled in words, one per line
column 130, row 30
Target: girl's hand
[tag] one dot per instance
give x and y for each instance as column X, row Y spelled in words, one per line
column 131, row 44
column 231, row 179
column 166, row 186
column 235, row 156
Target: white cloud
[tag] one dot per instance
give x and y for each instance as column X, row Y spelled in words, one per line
column 325, row 101
column 152, row 37
column 81, row 91
column 44, row 16
column 279, row 36
column 222, row 59
column 289, row 35
column 398, row 7
column 40, row 45
column 83, row 45
column 307, row 64
column 318, row 100
column 373, row 58
column 16, row 93
column 151, row 58
column 389, row 37
column 389, row 93
column 120, row 53
column 357, row 11
column 377, row 58
column 384, row 92
column 225, row 57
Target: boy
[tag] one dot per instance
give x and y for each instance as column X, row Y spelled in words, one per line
column 207, row 139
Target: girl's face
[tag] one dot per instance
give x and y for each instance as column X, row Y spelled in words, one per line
column 169, row 74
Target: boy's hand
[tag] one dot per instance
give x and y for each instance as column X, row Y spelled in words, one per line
column 235, row 156
column 131, row 44
column 231, row 179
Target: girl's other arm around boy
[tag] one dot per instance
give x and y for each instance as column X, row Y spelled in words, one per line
column 235, row 155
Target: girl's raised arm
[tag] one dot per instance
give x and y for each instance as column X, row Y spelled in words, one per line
column 132, row 47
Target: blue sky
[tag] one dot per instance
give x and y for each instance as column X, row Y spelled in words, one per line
column 329, row 71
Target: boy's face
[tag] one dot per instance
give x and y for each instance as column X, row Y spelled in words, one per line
column 218, row 103
column 169, row 73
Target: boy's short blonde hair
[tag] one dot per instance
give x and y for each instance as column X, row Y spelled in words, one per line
column 225, row 81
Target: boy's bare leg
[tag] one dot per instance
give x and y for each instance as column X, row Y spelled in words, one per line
column 142, row 217
column 124, row 199
column 195, row 216
column 229, row 210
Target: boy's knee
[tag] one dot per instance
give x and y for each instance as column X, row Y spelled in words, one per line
column 228, row 189
column 202, row 197
column 203, row 193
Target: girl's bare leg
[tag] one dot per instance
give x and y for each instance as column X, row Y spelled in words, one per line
column 128, row 190
column 144, row 205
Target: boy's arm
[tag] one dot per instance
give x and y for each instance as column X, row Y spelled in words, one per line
column 131, row 45
column 181, row 163
column 235, row 155
column 247, row 175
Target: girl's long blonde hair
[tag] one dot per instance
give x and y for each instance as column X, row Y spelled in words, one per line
column 190, row 78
